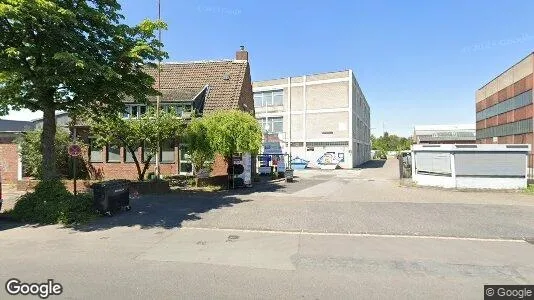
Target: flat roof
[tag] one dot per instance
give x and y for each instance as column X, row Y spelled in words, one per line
column 313, row 74
column 472, row 147
column 445, row 127
column 506, row 70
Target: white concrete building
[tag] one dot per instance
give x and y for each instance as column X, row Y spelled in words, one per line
column 471, row 165
column 317, row 116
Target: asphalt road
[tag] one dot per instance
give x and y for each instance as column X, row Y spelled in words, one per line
column 344, row 234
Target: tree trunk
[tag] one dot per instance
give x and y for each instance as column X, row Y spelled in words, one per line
column 48, row 145
column 147, row 164
column 140, row 175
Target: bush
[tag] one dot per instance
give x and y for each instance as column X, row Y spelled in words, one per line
column 51, row 203
column 381, row 154
column 32, row 158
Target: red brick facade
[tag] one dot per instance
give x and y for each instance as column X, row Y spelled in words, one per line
column 9, row 160
column 522, row 113
column 128, row 170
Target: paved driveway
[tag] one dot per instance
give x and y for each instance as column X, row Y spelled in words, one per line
column 342, row 234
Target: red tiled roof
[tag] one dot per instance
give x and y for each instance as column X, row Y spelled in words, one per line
column 224, row 78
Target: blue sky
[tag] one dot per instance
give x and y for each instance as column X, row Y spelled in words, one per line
column 418, row 62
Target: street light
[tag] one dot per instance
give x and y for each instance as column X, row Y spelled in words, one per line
column 157, row 171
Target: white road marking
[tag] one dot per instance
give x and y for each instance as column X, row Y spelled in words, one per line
column 358, row 234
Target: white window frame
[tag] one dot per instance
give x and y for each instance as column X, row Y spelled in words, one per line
column 261, row 96
column 127, row 114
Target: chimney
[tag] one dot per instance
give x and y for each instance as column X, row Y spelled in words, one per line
column 242, row 54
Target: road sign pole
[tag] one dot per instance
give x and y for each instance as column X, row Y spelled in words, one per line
column 74, row 161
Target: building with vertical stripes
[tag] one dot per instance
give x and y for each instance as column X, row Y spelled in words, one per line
column 316, row 115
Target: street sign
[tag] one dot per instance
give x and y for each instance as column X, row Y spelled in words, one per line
column 75, row 150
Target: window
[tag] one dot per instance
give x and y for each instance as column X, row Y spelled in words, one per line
column 113, row 153
column 134, row 111
column 179, row 108
column 257, row 100
column 278, row 98
column 167, row 151
column 272, row 125
column 186, row 167
column 95, row 152
column 269, row 98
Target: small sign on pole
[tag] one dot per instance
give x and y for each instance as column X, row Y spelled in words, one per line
column 74, row 151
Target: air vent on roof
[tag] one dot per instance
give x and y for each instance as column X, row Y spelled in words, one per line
column 226, row 76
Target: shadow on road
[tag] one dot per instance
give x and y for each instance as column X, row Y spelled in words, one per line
column 170, row 210
column 373, row 164
column 164, row 211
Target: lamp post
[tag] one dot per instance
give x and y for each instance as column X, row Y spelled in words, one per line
column 157, row 171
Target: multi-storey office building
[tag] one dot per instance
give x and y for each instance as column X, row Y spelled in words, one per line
column 504, row 106
column 317, row 114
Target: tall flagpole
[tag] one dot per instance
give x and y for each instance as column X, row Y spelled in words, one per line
column 159, row 90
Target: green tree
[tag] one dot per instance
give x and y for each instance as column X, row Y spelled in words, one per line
column 198, row 143
column 233, row 131
column 32, row 158
column 390, row 142
column 71, row 56
column 132, row 134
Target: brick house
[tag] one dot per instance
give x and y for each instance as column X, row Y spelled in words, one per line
column 10, row 164
column 201, row 87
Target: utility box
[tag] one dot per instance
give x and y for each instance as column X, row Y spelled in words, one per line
column 476, row 166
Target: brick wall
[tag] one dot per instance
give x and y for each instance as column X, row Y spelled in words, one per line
column 9, row 163
column 246, row 97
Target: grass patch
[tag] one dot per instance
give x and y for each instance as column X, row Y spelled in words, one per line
column 530, row 189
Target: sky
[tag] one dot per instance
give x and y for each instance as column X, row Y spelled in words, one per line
column 417, row 62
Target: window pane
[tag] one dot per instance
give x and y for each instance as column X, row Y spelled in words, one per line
column 278, row 98
column 167, row 151
column 95, row 152
column 185, row 160
column 277, row 125
column 184, row 156
column 268, row 99
column 142, row 110
column 257, row 100
column 179, row 110
column 126, row 113
column 134, row 111
column 114, row 153
column 186, row 167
